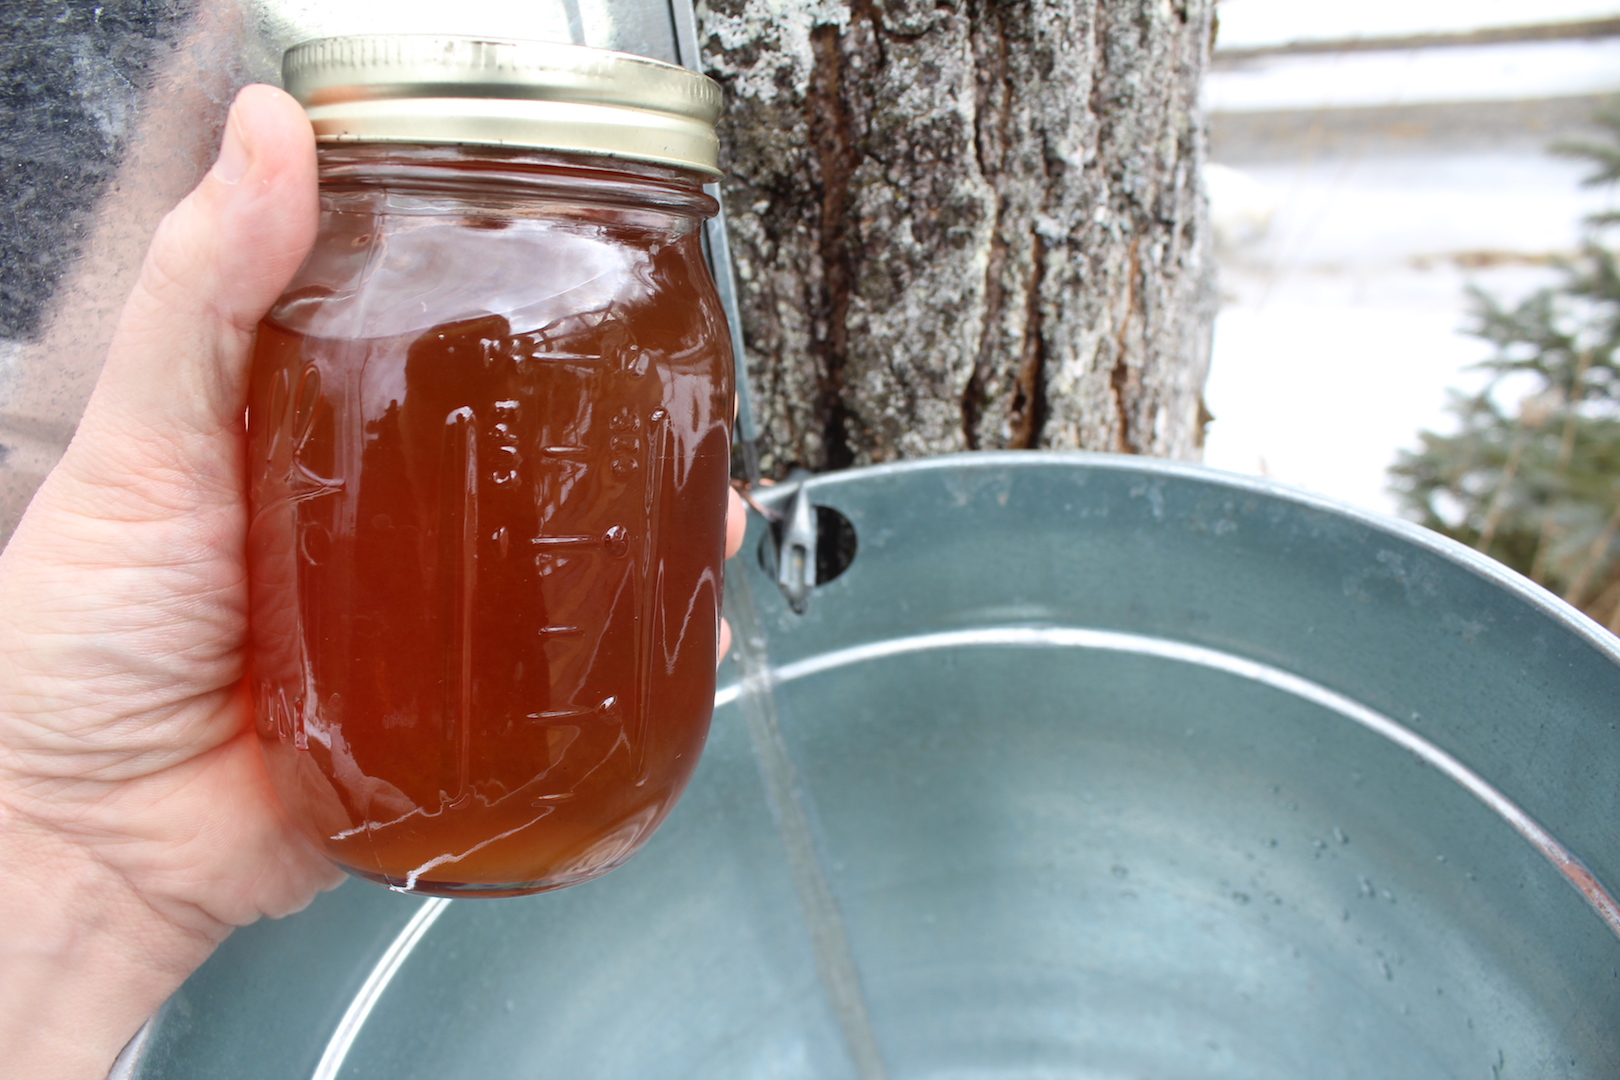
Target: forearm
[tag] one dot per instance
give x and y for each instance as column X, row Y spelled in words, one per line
column 83, row 963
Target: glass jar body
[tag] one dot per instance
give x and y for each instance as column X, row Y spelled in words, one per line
column 490, row 436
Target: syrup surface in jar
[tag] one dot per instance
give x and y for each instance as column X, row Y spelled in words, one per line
column 486, row 546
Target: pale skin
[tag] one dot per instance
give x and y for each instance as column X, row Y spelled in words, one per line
column 137, row 826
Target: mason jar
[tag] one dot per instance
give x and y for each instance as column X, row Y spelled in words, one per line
column 490, row 436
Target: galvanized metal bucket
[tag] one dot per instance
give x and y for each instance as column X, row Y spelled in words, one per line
column 1085, row 767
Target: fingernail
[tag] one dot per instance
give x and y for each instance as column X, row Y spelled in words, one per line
column 234, row 154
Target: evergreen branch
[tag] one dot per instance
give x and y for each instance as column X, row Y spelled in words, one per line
column 1605, row 155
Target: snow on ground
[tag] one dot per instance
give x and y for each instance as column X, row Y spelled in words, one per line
column 1258, row 23
column 1346, row 256
column 1319, row 379
column 1344, row 285
column 1406, row 76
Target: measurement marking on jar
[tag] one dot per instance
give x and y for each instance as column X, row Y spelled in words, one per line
column 557, row 357
column 649, row 605
column 608, row 710
column 461, row 558
column 566, row 541
column 616, row 540
column 551, row 716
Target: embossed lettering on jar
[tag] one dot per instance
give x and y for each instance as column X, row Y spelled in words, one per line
column 489, row 426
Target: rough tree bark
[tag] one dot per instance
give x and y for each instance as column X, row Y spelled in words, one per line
column 967, row 224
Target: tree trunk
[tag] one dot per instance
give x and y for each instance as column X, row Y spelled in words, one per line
column 965, row 224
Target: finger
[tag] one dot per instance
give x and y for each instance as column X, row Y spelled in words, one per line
column 736, row 523
column 179, row 360
column 736, row 528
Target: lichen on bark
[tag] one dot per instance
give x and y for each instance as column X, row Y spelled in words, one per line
column 965, row 224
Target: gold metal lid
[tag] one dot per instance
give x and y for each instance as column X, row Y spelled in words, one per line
column 429, row 89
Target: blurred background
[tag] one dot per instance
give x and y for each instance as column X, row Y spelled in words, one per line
column 1391, row 214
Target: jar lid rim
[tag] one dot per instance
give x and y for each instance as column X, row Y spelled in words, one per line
column 443, row 89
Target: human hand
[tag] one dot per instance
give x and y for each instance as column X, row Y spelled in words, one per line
column 137, row 825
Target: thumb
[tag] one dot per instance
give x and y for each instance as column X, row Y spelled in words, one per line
column 177, row 368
